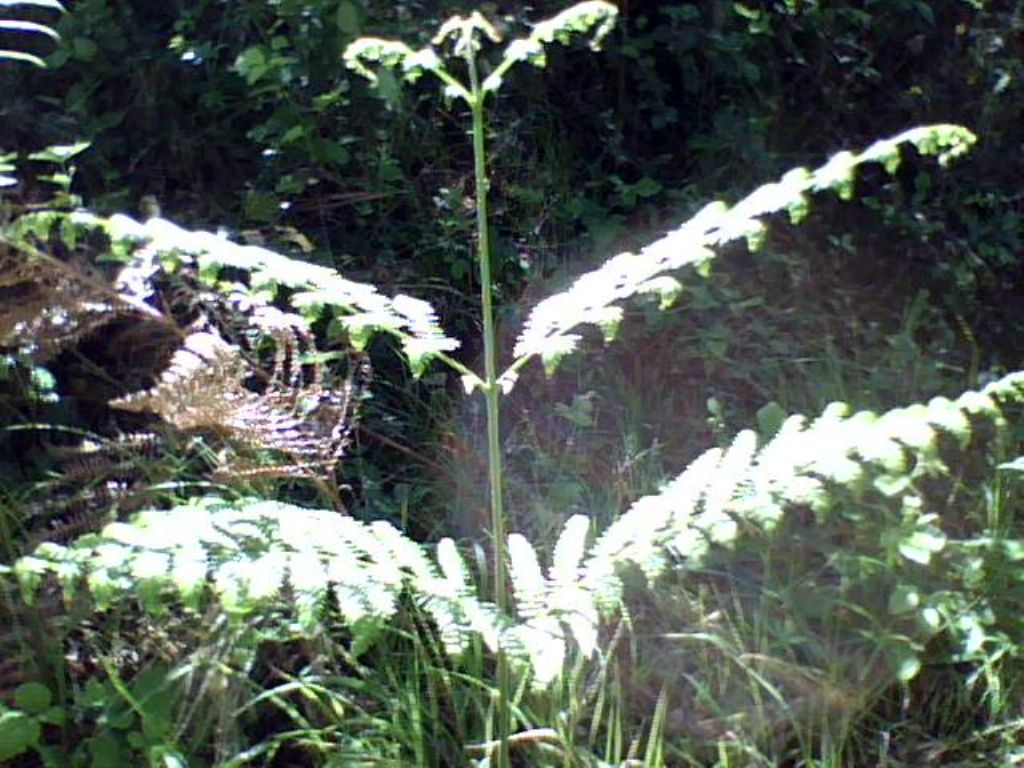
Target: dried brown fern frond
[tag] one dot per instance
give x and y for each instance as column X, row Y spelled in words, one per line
column 93, row 482
column 230, row 386
column 199, row 388
column 48, row 301
column 213, row 387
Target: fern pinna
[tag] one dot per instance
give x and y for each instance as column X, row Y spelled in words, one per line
column 252, row 554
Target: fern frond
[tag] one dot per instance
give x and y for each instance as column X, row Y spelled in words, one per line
column 802, row 466
column 253, row 555
column 361, row 309
column 528, row 583
column 452, row 594
column 50, row 303
column 568, row 595
column 549, row 331
column 205, row 389
column 218, row 363
column 189, row 394
column 94, row 480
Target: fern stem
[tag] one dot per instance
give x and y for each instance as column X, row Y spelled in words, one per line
column 491, row 390
column 492, row 393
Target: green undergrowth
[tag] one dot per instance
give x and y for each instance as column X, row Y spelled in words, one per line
column 760, row 605
column 860, row 536
column 268, row 542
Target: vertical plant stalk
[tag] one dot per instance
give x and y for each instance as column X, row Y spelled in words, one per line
column 492, row 393
column 465, row 35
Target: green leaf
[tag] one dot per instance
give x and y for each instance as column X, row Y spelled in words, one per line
column 348, row 18
column 904, row 599
column 18, row 733
column 84, row 49
column 920, row 545
column 333, row 153
column 770, row 418
column 60, row 153
column 55, row 715
column 892, row 485
column 33, row 697
column 106, row 750
column 263, row 207
column 252, row 64
column 647, row 187
column 580, row 413
column 29, row 573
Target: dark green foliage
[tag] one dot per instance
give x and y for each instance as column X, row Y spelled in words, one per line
column 692, row 99
column 884, row 550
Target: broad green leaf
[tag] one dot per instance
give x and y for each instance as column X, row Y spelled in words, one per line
column 920, row 545
column 904, row 599
column 34, row 698
column 348, row 18
column 18, row 733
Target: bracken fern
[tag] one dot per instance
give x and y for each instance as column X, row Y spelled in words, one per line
column 251, row 555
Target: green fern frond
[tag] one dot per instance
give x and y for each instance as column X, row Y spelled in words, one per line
column 528, row 583
column 361, row 309
column 594, row 18
column 463, row 36
column 252, row 555
column 802, row 466
column 549, row 331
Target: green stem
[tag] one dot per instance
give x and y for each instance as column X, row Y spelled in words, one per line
column 490, row 382
column 493, row 394
column 460, row 369
column 513, row 370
